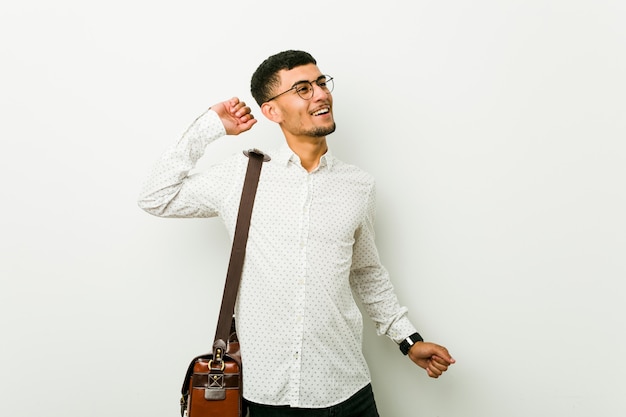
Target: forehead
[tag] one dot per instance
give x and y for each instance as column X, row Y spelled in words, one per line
column 307, row 72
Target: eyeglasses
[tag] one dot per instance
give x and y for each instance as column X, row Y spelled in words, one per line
column 305, row 88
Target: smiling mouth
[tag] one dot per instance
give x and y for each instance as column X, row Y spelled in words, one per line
column 320, row 112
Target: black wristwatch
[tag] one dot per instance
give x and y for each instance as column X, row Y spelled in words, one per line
column 406, row 344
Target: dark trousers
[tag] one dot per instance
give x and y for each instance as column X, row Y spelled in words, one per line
column 361, row 404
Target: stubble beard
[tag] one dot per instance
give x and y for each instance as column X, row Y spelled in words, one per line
column 319, row 132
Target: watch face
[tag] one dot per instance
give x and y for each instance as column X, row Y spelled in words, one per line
column 416, row 338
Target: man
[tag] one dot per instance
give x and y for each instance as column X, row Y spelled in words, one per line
column 310, row 248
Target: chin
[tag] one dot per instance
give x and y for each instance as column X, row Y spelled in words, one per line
column 323, row 131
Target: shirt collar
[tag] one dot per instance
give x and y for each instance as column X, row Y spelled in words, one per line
column 284, row 155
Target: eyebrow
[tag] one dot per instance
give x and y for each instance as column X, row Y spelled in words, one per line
column 307, row 81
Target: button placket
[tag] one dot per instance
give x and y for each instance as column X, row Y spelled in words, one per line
column 300, row 296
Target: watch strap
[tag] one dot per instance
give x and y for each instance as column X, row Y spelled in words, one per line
column 406, row 344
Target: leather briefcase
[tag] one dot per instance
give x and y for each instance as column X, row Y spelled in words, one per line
column 213, row 383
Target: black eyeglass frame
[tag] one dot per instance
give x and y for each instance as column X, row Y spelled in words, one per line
column 327, row 78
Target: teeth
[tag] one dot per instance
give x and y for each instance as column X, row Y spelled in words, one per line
column 322, row 111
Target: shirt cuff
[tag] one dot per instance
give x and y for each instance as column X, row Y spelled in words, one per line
column 401, row 329
column 212, row 123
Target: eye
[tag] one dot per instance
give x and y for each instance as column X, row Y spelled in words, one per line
column 303, row 88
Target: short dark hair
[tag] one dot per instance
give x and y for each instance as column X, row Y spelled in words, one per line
column 265, row 78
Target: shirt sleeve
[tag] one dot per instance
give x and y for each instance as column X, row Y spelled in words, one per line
column 371, row 282
column 170, row 191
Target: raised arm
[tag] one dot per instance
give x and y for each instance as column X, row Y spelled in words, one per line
column 169, row 190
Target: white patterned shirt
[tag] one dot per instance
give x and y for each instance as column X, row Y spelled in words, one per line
column 310, row 248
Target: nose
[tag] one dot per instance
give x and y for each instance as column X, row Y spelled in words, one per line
column 319, row 92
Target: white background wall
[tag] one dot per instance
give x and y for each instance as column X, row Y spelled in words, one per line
column 495, row 130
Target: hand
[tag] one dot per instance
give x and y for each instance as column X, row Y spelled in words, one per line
column 434, row 358
column 235, row 116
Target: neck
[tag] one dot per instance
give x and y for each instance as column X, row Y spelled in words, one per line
column 309, row 150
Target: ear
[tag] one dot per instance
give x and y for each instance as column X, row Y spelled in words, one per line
column 271, row 111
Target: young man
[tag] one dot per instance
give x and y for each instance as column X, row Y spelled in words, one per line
column 310, row 248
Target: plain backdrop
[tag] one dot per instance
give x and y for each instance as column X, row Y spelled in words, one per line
column 495, row 130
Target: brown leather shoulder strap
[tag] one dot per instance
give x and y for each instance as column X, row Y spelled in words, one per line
column 237, row 254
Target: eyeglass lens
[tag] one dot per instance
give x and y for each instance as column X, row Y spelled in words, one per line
column 305, row 88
